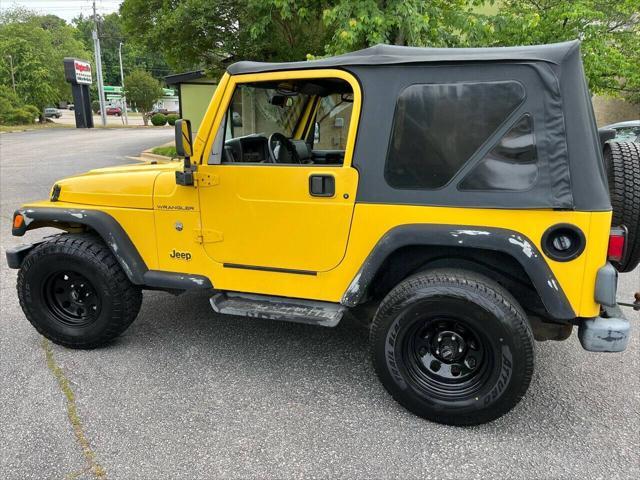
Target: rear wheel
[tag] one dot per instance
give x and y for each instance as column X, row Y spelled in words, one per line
column 74, row 292
column 453, row 346
column 622, row 161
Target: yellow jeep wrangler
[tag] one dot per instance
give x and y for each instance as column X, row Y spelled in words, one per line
column 458, row 195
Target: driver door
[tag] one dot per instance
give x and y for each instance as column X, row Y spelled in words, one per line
column 290, row 215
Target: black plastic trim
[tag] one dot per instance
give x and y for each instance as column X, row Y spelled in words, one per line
column 175, row 281
column 16, row 255
column 55, row 193
column 104, row 224
column 269, row 269
column 507, row 241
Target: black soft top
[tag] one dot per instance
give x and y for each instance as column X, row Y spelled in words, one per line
column 571, row 173
column 395, row 55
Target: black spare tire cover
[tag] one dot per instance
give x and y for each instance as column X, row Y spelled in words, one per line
column 622, row 161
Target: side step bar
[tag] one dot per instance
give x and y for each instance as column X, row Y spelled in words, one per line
column 311, row 312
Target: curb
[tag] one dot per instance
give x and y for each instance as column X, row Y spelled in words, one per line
column 147, row 155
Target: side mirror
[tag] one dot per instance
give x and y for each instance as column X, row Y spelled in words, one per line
column 184, row 148
column 184, row 144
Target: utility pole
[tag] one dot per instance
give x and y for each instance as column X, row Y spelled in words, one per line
column 13, row 78
column 98, row 58
column 124, row 97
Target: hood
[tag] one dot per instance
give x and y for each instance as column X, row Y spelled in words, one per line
column 127, row 186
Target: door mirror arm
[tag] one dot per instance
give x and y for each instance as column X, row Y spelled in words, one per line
column 184, row 148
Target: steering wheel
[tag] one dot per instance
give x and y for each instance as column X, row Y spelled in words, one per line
column 279, row 141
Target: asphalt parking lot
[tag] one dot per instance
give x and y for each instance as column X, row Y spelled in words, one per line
column 185, row 393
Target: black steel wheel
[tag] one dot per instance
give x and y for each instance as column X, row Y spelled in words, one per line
column 74, row 292
column 445, row 356
column 71, row 298
column 453, row 346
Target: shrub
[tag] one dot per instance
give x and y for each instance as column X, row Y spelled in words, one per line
column 95, row 106
column 35, row 111
column 166, row 151
column 171, row 118
column 19, row 116
column 158, row 119
column 13, row 111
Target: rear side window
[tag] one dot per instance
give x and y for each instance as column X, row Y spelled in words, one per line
column 438, row 127
column 511, row 165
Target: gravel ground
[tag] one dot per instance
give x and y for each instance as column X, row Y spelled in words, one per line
column 185, row 393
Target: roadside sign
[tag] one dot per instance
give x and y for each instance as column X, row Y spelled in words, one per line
column 77, row 72
column 83, row 72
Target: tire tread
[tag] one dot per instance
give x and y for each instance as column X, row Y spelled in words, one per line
column 449, row 281
column 126, row 300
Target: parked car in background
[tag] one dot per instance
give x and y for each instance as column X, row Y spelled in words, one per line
column 117, row 111
column 164, row 111
column 71, row 106
column 626, row 131
column 52, row 113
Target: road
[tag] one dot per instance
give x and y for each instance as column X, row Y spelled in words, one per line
column 188, row 394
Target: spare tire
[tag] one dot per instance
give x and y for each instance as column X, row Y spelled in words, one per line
column 622, row 161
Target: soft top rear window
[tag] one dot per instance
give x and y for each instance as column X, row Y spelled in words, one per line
column 438, row 127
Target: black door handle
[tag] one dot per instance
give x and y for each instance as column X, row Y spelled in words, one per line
column 322, row 185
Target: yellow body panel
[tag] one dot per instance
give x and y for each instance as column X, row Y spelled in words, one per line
column 178, row 206
column 128, row 186
column 371, row 222
column 265, row 216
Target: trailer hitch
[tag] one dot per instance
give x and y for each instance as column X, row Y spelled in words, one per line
column 635, row 305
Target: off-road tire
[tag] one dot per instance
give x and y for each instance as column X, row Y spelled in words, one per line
column 118, row 299
column 622, row 160
column 486, row 308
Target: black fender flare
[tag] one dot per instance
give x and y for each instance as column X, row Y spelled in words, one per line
column 502, row 240
column 115, row 237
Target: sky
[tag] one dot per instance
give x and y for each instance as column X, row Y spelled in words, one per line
column 67, row 9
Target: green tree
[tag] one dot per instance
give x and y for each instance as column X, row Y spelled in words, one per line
column 38, row 45
column 189, row 33
column 361, row 23
column 134, row 56
column 200, row 33
column 609, row 31
column 142, row 91
column 284, row 30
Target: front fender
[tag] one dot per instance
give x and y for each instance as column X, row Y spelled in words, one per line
column 102, row 223
column 113, row 235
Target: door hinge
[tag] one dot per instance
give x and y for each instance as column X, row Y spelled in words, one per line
column 208, row 236
column 207, row 179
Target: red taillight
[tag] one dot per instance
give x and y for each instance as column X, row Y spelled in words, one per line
column 616, row 244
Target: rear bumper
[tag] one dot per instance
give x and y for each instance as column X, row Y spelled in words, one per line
column 607, row 333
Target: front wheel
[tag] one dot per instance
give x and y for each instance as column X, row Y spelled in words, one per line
column 453, row 346
column 74, row 292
